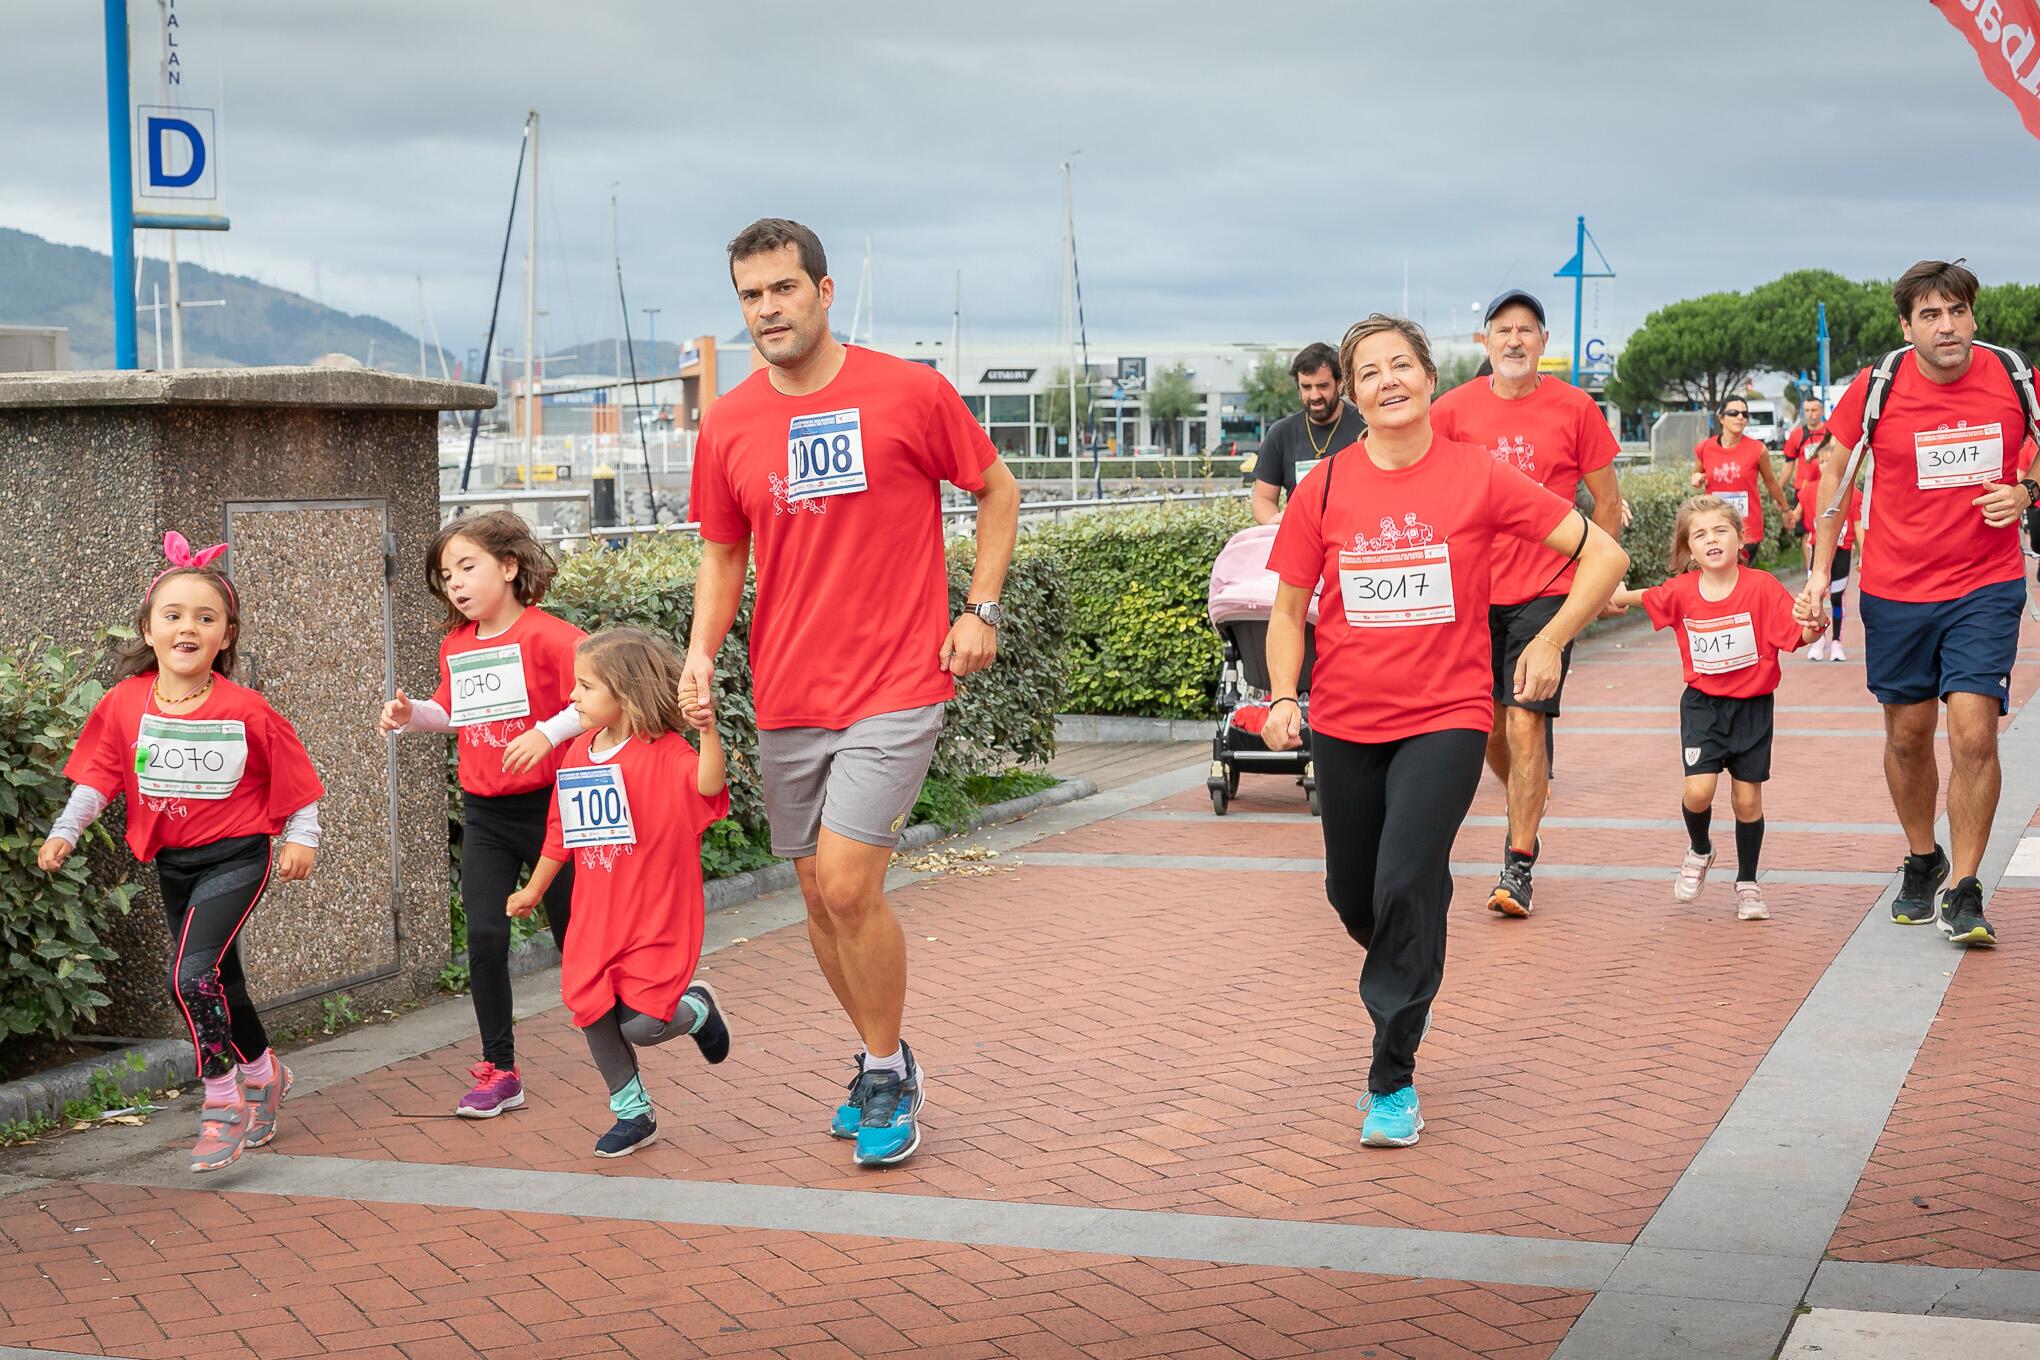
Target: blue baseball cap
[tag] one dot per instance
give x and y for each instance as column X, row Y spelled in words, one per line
column 1503, row 299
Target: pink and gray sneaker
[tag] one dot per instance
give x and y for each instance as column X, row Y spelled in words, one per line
column 496, row 1089
column 265, row 1101
column 222, row 1133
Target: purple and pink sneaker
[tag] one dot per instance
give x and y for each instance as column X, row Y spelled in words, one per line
column 496, row 1089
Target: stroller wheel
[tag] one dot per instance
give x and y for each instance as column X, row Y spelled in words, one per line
column 1219, row 801
column 1232, row 781
column 1314, row 809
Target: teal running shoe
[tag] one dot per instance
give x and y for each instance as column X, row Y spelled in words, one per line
column 1392, row 1120
column 891, row 1128
column 850, row 1114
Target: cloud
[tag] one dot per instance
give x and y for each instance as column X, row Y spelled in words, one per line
column 1241, row 171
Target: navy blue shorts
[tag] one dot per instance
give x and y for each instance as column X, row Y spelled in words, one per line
column 1920, row 651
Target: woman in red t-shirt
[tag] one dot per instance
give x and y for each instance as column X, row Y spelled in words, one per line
column 506, row 682
column 631, row 803
column 210, row 772
column 1730, row 466
column 1732, row 622
column 1397, row 532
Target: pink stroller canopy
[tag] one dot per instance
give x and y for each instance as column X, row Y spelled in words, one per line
column 1242, row 586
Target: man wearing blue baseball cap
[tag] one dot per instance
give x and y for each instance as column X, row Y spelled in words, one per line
column 1557, row 436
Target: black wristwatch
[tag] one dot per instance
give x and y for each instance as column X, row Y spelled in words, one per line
column 2032, row 491
column 988, row 613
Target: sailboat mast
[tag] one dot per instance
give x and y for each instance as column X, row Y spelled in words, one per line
column 1069, row 283
column 531, row 307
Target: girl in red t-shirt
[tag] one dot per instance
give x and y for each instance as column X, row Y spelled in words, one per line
column 506, row 680
column 1730, row 466
column 1732, row 621
column 630, row 804
column 210, row 772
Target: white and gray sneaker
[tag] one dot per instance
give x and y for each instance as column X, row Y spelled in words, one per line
column 1749, row 902
column 1692, row 876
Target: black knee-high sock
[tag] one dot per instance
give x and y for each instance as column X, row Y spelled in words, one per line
column 1696, row 828
column 1749, row 844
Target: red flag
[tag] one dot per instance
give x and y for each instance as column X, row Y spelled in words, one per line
column 2006, row 36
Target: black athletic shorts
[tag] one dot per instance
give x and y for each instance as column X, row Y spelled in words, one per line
column 1510, row 628
column 1723, row 733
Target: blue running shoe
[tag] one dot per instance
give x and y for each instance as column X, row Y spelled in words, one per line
column 713, row 1038
column 891, row 1129
column 850, row 1114
column 1392, row 1120
column 1367, row 1097
column 626, row 1137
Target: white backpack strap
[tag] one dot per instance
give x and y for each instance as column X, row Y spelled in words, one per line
column 2021, row 374
column 1873, row 407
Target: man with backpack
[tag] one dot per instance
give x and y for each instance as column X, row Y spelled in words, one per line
column 1945, row 422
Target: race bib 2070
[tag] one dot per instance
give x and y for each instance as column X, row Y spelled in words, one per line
column 190, row 758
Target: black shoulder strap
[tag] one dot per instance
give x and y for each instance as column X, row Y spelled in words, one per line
column 1331, row 466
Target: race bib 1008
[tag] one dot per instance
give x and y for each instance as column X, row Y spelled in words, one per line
column 1728, row 643
column 1970, row 456
column 594, row 809
column 190, row 758
column 825, row 455
column 488, row 685
column 1397, row 587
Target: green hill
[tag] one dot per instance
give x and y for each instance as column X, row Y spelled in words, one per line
column 45, row 284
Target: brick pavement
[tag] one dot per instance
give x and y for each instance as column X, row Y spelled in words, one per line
column 1141, row 1039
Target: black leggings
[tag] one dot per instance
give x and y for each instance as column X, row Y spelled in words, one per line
column 1391, row 810
column 501, row 836
column 208, row 892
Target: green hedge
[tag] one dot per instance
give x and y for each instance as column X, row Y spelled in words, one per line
column 49, row 923
column 1139, row 639
column 1000, row 718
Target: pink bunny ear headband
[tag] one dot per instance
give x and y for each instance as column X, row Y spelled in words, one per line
column 178, row 551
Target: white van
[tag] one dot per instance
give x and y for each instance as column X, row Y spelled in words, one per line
column 1763, row 424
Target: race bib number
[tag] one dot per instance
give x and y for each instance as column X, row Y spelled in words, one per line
column 1728, row 643
column 1303, row 468
column 1971, row 456
column 1740, row 500
column 825, row 455
column 190, row 758
column 1398, row 587
column 594, row 809
column 488, row 685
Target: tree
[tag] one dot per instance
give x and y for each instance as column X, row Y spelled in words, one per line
column 1783, row 315
column 1271, row 392
column 1696, row 351
column 1460, row 368
column 2009, row 314
column 1055, row 403
column 1170, row 400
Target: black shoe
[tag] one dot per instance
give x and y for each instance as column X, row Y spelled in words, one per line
column 1511, row 896
column 1924, row 874
column 1962, row 915
column 713, row 1038
column 626, row 1137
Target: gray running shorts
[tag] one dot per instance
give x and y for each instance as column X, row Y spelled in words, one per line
column 860, row 782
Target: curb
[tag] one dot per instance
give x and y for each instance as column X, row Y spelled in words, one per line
column 539, row 953
column 1106, row 728
column 165, row 1062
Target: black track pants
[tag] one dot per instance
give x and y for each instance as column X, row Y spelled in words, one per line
column 499, row 837
column 209, row 891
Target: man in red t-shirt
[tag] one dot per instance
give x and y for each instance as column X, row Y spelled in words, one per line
column 832, row 459
column 1556, row 435
column 1943, row 583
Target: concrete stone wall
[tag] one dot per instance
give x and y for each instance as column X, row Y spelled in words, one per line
column 324, row 482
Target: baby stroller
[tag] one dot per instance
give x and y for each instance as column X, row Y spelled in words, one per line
column 1241, row 601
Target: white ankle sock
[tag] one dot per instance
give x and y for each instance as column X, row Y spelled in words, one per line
column 894, row 1062
column 222, row 1090
column 260, row 1072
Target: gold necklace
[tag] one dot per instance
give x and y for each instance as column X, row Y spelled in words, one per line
column 1337, row 420
column 198, row 693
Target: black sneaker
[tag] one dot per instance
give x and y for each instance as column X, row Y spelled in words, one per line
column 626, row 1137
column 1511, row 896
column 713, row 1038
column 1924, row 874
column 1962, row 915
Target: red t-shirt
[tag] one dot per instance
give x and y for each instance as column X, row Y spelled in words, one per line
column 1412, row 653
column 840, row 491
column 1732, row 475
column 231, row 767
column 539, row 648
column 1929, row 543
column 1739, row 637
column 1554, row 436
column 1802, row 450
column 637, row 905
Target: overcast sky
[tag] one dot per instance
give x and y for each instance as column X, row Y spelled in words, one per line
column 1248, row 171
